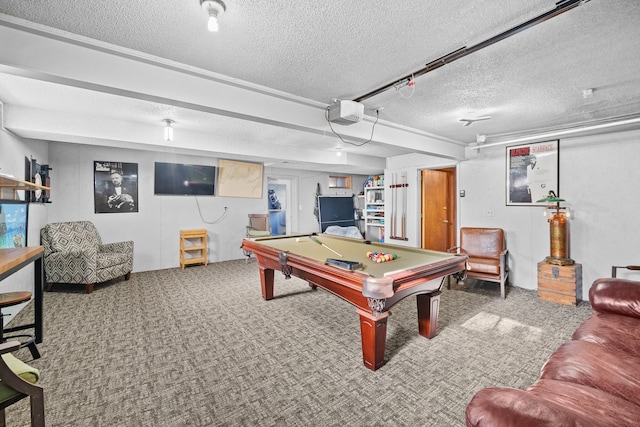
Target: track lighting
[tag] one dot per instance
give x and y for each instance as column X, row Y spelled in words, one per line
column 215, row 9
column 168, row 130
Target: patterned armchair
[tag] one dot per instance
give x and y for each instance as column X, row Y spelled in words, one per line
column 74, row 253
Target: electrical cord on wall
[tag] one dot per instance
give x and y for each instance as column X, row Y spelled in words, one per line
column 326, row 116
column 215, row 221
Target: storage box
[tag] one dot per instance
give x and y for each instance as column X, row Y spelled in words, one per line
column 560, row 283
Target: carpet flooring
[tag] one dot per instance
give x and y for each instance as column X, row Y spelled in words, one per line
column 200, row 347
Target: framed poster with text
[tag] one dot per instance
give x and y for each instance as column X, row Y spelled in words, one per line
column 532, row 171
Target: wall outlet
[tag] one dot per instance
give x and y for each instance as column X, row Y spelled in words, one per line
column 491, row 212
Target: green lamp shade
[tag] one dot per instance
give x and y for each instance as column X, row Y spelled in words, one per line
column 551, row 198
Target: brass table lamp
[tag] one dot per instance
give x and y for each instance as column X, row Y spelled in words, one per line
column 559, row 231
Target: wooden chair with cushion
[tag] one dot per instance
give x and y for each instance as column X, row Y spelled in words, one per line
column 17, row 381
column 74, row 253
column 487, row 252
column 258, row 227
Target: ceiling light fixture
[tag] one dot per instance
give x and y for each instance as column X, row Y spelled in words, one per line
column 339, row 149
column 215, row 9
column 168, row 130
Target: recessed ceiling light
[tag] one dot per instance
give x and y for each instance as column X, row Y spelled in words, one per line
column 587, row 93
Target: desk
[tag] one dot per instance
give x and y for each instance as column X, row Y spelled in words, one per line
column 372, row 290
column 14, row 259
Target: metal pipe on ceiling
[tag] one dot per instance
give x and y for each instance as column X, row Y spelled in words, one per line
column 561, row 7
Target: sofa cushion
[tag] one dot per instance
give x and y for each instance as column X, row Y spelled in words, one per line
column 70, row 236
column 550, row 403
column 617, row 296
column 598, row 407
column 611, row 330
column 583, row 362
column 496, row 406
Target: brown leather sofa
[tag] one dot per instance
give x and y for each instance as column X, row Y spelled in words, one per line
column 592, row 380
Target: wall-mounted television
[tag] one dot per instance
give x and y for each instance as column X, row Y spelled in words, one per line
column 184, row 180
column 14, row 216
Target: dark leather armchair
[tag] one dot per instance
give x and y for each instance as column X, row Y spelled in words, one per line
column 487, row 252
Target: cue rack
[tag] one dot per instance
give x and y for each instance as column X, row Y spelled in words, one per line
column 399, row 206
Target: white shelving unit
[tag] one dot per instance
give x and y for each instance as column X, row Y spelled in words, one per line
column 374, row 213
column 359, row 207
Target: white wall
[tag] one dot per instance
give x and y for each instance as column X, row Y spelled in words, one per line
column 599, row 178
column 155, row 228
column 12, row 160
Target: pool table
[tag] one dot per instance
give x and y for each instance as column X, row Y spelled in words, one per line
column 372, row 289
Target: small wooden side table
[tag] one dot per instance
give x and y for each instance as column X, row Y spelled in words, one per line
column 194, row 243
column 560, row 283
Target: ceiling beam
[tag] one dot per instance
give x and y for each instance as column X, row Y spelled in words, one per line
column 74, row 61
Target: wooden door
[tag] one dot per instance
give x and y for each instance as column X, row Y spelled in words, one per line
column 438, row 209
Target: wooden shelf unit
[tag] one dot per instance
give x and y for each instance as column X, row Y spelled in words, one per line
column 193, row 241
column 374, row 213
column 15, row 184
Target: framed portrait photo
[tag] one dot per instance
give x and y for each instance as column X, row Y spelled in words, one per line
column 115, row 187
column 532, row 171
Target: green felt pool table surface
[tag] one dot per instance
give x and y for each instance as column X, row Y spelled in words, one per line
column 356, row 250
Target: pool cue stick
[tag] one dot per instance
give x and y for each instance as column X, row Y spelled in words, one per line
column 322, row 244
column 393, row 204
column 404, row 208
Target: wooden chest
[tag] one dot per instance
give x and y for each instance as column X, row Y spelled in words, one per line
column 560, row 283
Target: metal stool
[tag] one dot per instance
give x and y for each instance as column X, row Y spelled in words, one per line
column 7, row 300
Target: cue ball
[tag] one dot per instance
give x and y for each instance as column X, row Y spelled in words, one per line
column 297, row 240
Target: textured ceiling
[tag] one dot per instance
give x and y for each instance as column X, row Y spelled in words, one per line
column 319, row 51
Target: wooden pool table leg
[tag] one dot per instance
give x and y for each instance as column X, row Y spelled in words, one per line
column 266, row 281
column 428, row 306
column 373, row 331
